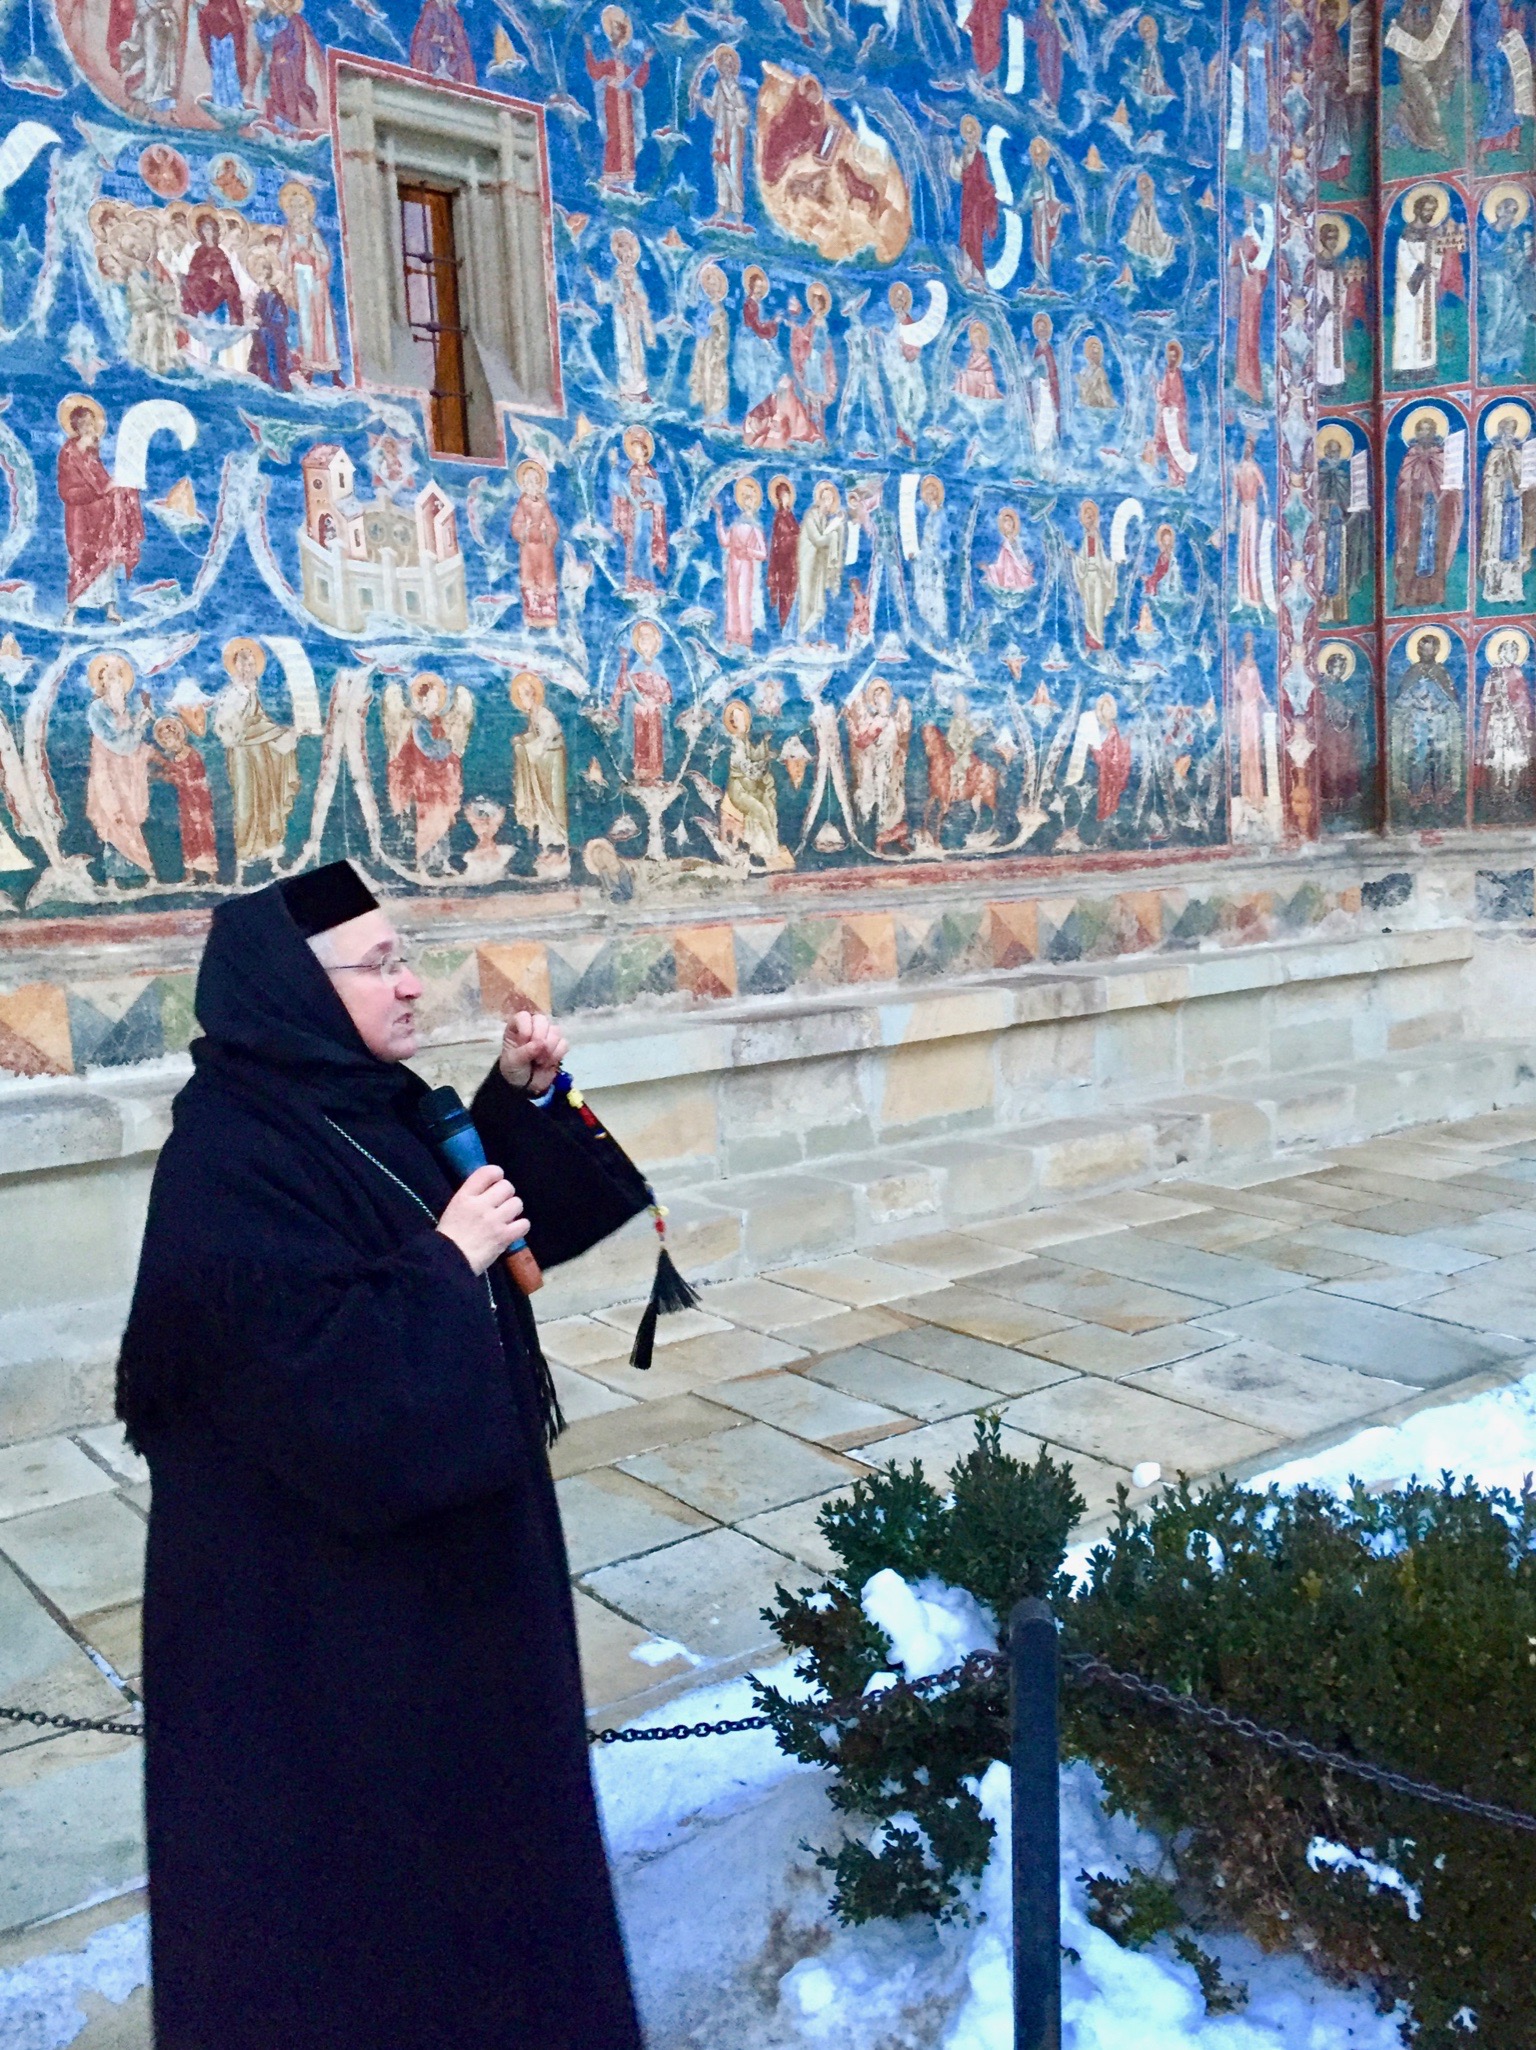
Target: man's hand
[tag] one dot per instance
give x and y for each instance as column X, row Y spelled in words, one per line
column 532, row 1048
column 483, row 1219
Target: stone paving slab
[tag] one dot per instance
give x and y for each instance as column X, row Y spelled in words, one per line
column 995, row 1369
column 1305, row 1254
column 843, row 1328
column 641, row 1427
column 1211, row 1277
column 108, row 1444
column 794, row 1531
column 582, row 1397
column 44, row 1474
column 1372, row 1340
column 580, row 1341
column 977, row 1314
column 1218, row 1231
column 952, row 1254
column 1394, row 1288
column 1279, row 1394
column 609, row 1671
column 1419, row 1252
column 1092, row 1296
column 824, row 1415
column 1096, row 1349
column 883, row 1377
column 42, row 1666
column 84, row 1555
column 1123, row 1424
column 707, row 1592
column 938, row 1447
column 765, row 1305
column 857, row 1280
column 736, row 1472
column 696, row 1363
column 71, row 1824
column 610, row 1515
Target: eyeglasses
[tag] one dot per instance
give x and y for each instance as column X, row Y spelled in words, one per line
column 390, row 969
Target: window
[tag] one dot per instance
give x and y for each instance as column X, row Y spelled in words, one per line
column 450, row 281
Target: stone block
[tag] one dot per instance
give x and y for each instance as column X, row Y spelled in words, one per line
column 792, row 1215
column 1317, row 1043
column 995, row 1318
column 1138, row 1049
column 600, row 1440
column 796, row 1531
column 701, row 1362
column 71, row 1234
column 856, row 1279
column 108, row 1443
column 1123, row 1425
column 580, row 1396
column 1212, row 1277
column 844, row 1327
column 64, row 1127
column 939, row 1448
column 1289, row 1398
column 1089, row 1156
column 995, row 1369
column 606, row 1642
column 1393, row 1343
column 1047, row 1058
column 40, row 1395
column 981, row 1176
column 936, row 1081
column 1096, row 1349
column 952, row 1254
column 1225, row 1037
column 41, row 1663
column 891, row 1194
column 764, row 1305
column 825, row 1415
column 881, row 1377
column 672, row 1120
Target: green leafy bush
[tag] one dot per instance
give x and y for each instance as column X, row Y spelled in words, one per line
column 1398, row 1627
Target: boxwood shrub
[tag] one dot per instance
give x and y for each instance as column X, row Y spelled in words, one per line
column 1398, row 1626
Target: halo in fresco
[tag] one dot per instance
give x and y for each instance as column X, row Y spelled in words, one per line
column 1498, row 196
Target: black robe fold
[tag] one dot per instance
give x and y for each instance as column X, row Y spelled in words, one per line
column 370, row 1814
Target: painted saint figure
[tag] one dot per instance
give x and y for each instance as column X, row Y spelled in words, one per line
column 260, row 758
column 731, row 118
column 224, row 32
column 757, row 361
column 1428, row 509
column 812, row 361
column 1426, row 40
column 1507, row 283
column 743, row 553
column 307, row 263
column 539, row 774
column 783, row 550
column 984, row 26
column 537, row 532
column 1170, row 439
column 979, row 213
column 1346, row 533
column 930, row 572
column 1428, row 269
column 426, row 730
column 749, row 808
column 639, row 511
column 1046, row 209
column 1250, row 273
column 1095, row 575
column 977, row 379
column 1340, row 293
column 650, row 692
column 903, row 364
column 821, row 550
column 709, row 375
column 1508, row 525
column 103, row 523
column 1253, row 714
column 620, row 79
column 879, row 735
column 1010, row 570
column 1043, row 389
column 208, row 288
column 295, row 69
column 634, row 329
column 440, row 43
column 1503, row 769
column 1427, row 738
column 117, row 781
column 179, row 764
column 1093, row 386
column 1252, row 495
column 1042, row 28
column 1146, row 238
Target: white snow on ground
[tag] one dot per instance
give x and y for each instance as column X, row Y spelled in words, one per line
column 39, row 2004
column 1492, row 1437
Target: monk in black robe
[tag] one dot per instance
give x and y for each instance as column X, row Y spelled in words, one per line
column 370, row 1817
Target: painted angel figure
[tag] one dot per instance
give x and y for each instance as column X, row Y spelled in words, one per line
column 731, row 115
column 426, row 730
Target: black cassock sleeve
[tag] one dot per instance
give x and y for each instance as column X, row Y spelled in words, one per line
column 374, row 1386
column 577, row 1185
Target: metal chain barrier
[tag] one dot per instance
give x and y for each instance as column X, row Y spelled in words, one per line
column 1082, row 1667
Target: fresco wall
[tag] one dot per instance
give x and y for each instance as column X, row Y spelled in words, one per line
column 982, row 432
column 912, row 493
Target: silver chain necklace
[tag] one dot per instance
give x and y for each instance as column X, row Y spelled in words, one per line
column 374, row 1161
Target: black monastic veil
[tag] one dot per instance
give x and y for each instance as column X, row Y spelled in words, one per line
column 370, row 1814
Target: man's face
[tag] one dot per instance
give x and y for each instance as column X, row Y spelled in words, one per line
column 1427, row 650
column 1424, row 211
column 382, row 1006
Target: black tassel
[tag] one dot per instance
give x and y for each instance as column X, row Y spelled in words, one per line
column 669, row 1291
column 645, row 1337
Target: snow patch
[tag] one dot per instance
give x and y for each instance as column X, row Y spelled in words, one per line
column 40, row 1999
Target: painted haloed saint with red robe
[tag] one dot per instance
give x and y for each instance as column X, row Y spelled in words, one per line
column 103, row 524
column 985, row 27
column 620, row 79
column 1170, row 442
column 295, row 68
column 652, row 693
column 536, row 531
column 209, row 284
column 978, row 196
column 783, row 550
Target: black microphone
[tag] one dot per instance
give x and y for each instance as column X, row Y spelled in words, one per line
column 451, row 1129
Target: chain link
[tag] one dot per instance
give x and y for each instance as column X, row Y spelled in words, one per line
column 1081, row 1667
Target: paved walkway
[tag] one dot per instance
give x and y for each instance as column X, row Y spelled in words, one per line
column 1201, row 1326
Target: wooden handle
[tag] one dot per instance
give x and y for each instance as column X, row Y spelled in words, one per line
column 524, row 1270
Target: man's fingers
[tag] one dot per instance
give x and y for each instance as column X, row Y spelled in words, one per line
column 482, row 1179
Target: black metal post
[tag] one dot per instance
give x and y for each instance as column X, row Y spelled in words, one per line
column 1036, row 1830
